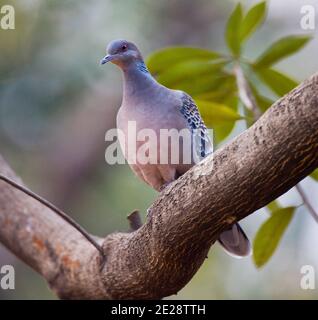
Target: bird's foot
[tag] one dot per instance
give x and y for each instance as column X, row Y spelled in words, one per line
column 149, row 213
column 164, row 186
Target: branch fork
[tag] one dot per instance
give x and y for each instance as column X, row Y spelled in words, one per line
column 161, row 256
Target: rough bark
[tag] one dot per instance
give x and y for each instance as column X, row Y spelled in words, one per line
column 159, row 258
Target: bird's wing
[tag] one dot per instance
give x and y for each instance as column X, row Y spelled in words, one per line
column 202, row 145
column 234, row 240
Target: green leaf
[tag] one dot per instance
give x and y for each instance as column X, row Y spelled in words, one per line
column 273, row 206
column 281, row 49
column 277, row 81
column 249, row 121
column 270, row 234
column 254, row 17
column 232, row 33
column 314, row 175
column 201, row 85
column 216, row 113
column 163, row 59
column 222, row 131
column 187, row 70
column 222, row 89
column 263, row 102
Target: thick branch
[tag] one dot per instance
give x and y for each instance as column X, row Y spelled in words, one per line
column 247, row 97
column 159, row 258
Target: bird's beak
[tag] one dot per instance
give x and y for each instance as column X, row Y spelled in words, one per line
column 106, row 59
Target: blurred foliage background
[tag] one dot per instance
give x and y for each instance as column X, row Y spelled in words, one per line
column 56, row 104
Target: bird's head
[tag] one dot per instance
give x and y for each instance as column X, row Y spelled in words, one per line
column 122, row 52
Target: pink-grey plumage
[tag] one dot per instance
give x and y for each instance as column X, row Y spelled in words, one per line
column 153, row 106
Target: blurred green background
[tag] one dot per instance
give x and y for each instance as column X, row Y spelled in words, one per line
column 56, row 103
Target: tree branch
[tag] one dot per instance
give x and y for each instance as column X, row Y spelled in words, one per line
column 59, row 212
column 306, row 201
column 245, row 92
column 248, row 99
column 159, row 258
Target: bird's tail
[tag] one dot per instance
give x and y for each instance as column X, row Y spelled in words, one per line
column 235, row 242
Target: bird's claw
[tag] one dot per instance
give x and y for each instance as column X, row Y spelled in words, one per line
column 149, row 213
column 164, row 186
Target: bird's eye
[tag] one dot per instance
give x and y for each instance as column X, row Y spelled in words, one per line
column 124, row 47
